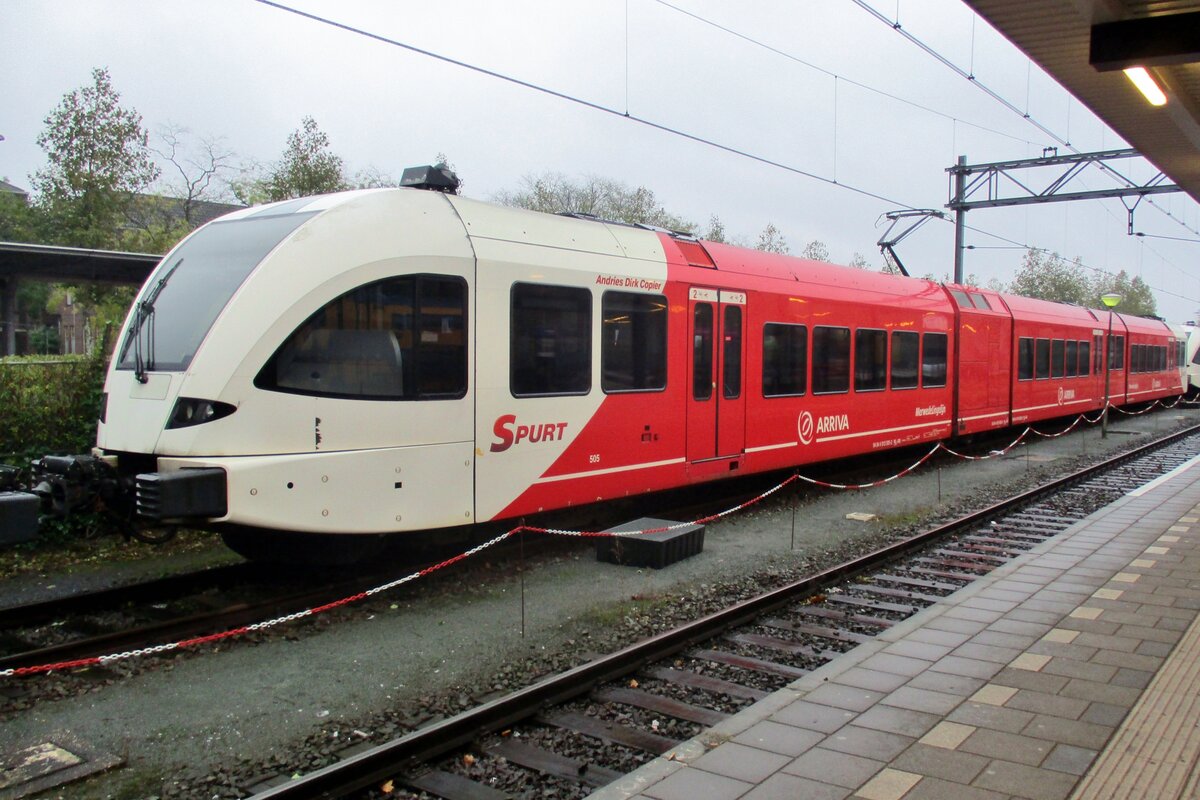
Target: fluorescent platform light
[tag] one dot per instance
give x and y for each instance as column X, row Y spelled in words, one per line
column 1146, row 85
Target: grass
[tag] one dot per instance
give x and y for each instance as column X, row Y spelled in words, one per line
column 57, row 552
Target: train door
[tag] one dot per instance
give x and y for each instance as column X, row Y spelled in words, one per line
column 716, row 404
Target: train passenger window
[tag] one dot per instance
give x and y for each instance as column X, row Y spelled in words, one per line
column 1057, row 351
column 1025, row 358
column 702, row 360
column 1116, row 352
column 1085, row 359
column 550, row 344
column 980, row 301
column 396, row 339
column 1162, row 358
column 1041, row 360
column 633, row 342
column 906, row 359
column 731, row 357
column 785, row 360
column 1072, row 359
column 870, row 360
column 830, row 360
column 933, row 360
column 1135, row 358
column 961, row 298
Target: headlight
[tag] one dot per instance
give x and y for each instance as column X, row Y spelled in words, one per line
column 190, row 411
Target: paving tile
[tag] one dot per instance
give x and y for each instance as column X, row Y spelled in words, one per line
column 903, row 721
column 1134, row 678
column 994, row 717
column 1025, row 781
column 1120, row 642
column 1070, row 759
column 779, row 738
column 813, row 716
column 830, row 766
column 872, row 679
column 1127, row 661
column 898, row 665
column 994, row 694
column 1076, row 652
column 922, row 650
column 1007, row 747
column 688, row 784
column 1108, row 594
column 1009, row 625
column 983, row 615
column 890, row 784
column 868, row 743
column 1079, row 669
column 970, row 667
column 1029, row 662
column 1034, row 615
column 1158, row 634
column 1002, row 639
column 851, row 698
column 1061, row 636
column 1042, row 703
column 1028, row 679
column 936, row 789
column 925, row 700
column 947, row 735
column 1086, row 612
column 790, row 787
column 743, row 763
column 961, row 685
column 1068, row 731
column 931, row 636
column 1161, row 649
column 987, row 652
column 941, row 762
column 944, row 623
column 1104, row 714
column 1101, row 692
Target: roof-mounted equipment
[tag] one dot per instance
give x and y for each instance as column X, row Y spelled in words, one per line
column 436, row 178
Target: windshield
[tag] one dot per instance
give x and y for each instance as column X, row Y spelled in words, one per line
column 186, row 293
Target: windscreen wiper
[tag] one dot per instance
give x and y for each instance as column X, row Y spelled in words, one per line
column 145, row 310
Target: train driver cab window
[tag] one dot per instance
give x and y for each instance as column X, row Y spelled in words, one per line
column 933, row 360
column 1042, row 359
column 633, row 346
column 906, row 359
column 1025, row 358
column 550, row 345
column 830, row 360
column 397, row 339
column 785, row 360
column 870, row 360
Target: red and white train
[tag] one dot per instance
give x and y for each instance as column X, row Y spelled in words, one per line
column 397, row 360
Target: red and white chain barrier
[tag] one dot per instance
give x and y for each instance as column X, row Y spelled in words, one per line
column 312, row 612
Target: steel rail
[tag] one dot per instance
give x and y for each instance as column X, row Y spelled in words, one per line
column 385, row 762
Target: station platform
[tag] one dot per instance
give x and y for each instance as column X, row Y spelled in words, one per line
column 1071, row 672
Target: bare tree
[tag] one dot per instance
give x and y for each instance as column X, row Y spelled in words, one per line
column 196, row 168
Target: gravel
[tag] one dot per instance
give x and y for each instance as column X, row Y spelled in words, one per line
column 210, row 724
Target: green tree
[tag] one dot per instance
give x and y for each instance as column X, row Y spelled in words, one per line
column 19, row 221
column 859, row 261
column 1136, row 297
column 816, row 250
column 771, row 240
column 1051, row 277
column 716, row 230
column 554, row 193
column 308, row 166
column 97, row 159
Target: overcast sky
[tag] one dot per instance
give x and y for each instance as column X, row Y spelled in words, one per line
column 824, row 89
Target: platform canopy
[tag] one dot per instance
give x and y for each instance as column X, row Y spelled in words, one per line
column 1086, row 44
column 42, row 262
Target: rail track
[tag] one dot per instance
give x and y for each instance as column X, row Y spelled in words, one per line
column 572, row 732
